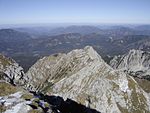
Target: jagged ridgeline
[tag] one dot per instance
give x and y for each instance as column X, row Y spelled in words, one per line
column 135, row 62
column 83, row 76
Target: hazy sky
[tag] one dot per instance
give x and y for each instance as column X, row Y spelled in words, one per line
column 74, row 11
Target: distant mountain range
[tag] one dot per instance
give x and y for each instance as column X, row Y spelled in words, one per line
column 59, row 30
column 86, row 29
column 26, row 47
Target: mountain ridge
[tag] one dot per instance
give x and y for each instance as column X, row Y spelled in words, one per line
column 135, row 63
column 92, row 83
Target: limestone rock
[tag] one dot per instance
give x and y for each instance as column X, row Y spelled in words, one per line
column 83, row 76
column 10, row 71
column 135, row 63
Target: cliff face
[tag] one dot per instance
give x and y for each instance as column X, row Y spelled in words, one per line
column 83, row 76
column 135, row 63
column 10, row 71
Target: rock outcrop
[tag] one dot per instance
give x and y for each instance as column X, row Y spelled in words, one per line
column 14, row 104
column 84, row 77
column 16, row 100
column 10, row 71
column 135, row 63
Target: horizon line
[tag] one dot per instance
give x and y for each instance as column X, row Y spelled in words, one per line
column 72, row 23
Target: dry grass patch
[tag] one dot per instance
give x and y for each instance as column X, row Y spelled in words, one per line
column 7, row 89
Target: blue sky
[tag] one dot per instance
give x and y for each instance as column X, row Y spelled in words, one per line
column 74, row 11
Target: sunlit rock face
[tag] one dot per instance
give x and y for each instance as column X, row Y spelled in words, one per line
column 83, row 76
column 11, row 72
column 135, row 63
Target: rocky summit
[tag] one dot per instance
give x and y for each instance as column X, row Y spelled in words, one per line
column 83, row 76
column 135, row 63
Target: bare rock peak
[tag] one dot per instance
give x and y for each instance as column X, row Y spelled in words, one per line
column 83, row 76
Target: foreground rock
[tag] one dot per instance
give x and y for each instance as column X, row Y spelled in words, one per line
column 135, row 63
column 84, row 77
column 16, row 100
column 11, row 100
